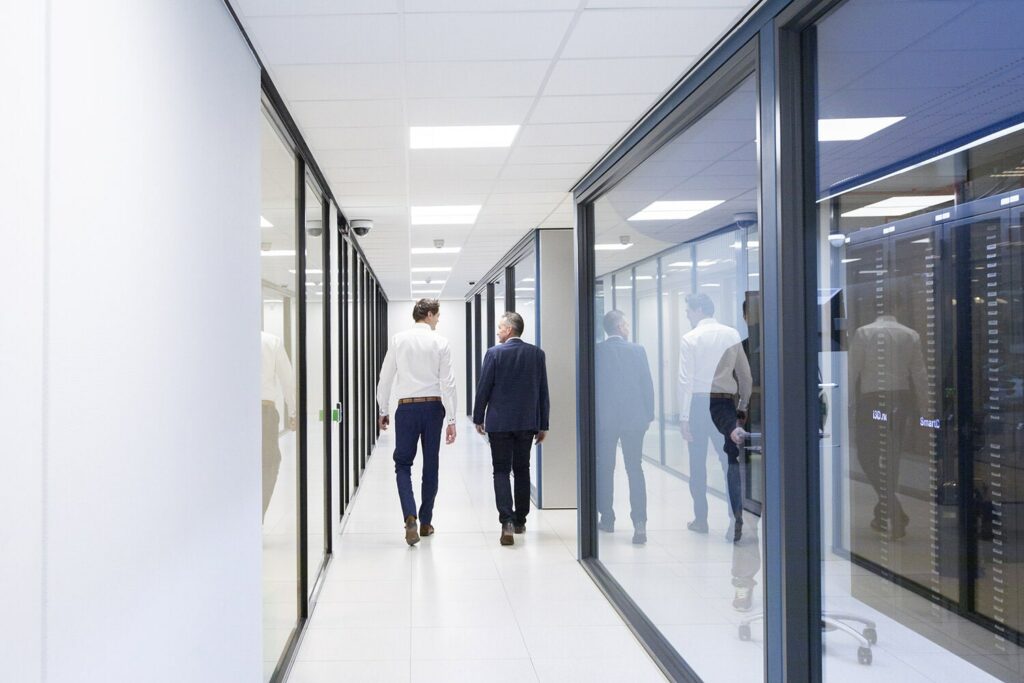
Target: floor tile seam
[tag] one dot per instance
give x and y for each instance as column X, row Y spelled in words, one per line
column 519, row 626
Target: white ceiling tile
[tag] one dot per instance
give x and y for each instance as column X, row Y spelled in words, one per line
column 331, row 113
column 713, row 4
column 488, row 5
column 328, row 39
column 298, row 7
column 530, row 185
column 355, row 190
column 512, row 199
column 557, row 154
column 391, row 174
column 379, row 137
column 458, row 157
column 542, row 135
column 643, row 75
column 419, row 173
column 338, row 81
column 480, row 111
column 484, row 36
column 594, row 108
column 475, row 79
column 435, row 191
column 359, row 158
column 549, row 171
column 648, row 32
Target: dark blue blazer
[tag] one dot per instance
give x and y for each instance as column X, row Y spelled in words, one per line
column 513, row 389
column 625, row 392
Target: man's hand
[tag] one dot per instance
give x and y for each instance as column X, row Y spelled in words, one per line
column 383, row 422
column 540, row 436
column 292, row 424
column 449, row 434
column 738, row 434
column 480, row 430
column 684, row 429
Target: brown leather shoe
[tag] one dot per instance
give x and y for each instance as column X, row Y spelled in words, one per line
column 519, row 528
column 411, row 537
column 506, row 534
column 426, row 529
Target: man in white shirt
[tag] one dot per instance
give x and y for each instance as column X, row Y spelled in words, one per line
column 276, row 377
column 713, row 372
column 418, row 372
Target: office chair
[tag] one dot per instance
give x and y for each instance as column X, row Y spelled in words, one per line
column 833, row 621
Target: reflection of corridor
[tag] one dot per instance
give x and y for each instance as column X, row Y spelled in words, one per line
column 458, row 606
column 279, row 548
column 683, row 582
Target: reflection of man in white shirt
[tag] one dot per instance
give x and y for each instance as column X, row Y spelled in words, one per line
column 276, row 378
column 890, row 394
column 419, row 366
column 713, row 371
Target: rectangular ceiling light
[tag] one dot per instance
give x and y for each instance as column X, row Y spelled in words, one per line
column 617, row 246
column 674, row 211
column 436, row 250
column 432, row 269
column 461, row 137
column 264, row 223
column 681, row 264
column 437, row 283
column 899, row 206
column 833, row 130
column 445, row 215
column 278, row 252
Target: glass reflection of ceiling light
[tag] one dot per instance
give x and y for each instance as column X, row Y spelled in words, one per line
column 278, row 252
column 623, row 286
column 445, row 215
column 432, row 269
column 833, row 130
column 435, row 250
column 527, row 279
column 711, row 284
column 707, row 262
column 264, row 223
column 308, row 270
column 524, row 289
column 273, row 301
column 923, row 240
column 681, row 264
column 898, row 206
column 644, row 277
column 850, row 260
column 429, row 282
column 670, row 211
column 461, row 137
column 612, row 247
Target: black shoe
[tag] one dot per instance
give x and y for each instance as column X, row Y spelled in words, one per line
column 606, row 525
column 519, row 528
column 639, row 534
column 698, row 527
column 411, row 536
column 735, row 532
column 506, row 534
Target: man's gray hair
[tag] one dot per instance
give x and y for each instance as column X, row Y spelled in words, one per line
column 515, row 321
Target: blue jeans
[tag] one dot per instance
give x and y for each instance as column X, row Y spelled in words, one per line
column 422, row 423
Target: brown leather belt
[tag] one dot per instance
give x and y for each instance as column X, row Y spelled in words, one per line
column 717, row 394
column 419, row 399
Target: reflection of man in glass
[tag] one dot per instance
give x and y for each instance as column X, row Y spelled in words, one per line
column 276, row 376
column 625, row 408
column 890, row 385
column 713, row 370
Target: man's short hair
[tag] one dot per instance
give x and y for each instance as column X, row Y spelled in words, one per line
column 700, row 302
column 515, row 321
column 612, row 321
column 425, row 307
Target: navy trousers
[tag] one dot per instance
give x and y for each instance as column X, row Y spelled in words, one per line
column 510, row 453
column 418, row 424
column 710, row 420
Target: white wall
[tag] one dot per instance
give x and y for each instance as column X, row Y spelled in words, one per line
column 452, row 325
column 135, row 517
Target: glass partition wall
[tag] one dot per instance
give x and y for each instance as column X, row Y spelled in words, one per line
column 810, row 254
column 318, row 296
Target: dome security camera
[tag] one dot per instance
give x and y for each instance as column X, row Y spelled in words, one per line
column 438, row 244
column 314, row 227
column 361, row 226
column 472, row 282
column 745, row 219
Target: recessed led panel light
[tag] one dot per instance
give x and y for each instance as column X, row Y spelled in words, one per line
column 461, row 137
column 899, row 206
column 278, row 252
column 832, row 130
column 435, row 250
column 264, row 223
column 425, row 291
column 617, row 246
column 445, row 215
column 674, row 211
column 432, row 270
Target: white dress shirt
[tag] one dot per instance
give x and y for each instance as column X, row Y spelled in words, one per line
column 276, row 372
column 886, row 355
column 418, row 363
column 711, row 360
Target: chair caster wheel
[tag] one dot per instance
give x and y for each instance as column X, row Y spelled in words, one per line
column 870, row 635
column 744, row 632
column 864, row 655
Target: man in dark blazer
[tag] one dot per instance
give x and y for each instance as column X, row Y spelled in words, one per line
column 625, row 409
column 513, row 394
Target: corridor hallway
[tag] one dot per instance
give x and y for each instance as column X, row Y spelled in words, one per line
column 458, row 606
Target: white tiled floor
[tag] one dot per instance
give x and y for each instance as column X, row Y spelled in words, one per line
column 458, row 606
